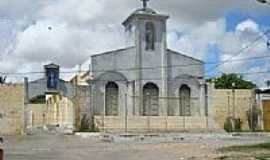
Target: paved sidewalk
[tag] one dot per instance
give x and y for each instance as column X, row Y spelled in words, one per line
column 76, row 148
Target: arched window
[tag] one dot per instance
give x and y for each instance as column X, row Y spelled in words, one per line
column 184, row 107
column 111, row 99
column 150, row 100
column 150, row 36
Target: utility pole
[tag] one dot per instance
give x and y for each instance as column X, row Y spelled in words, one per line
column 233, row 92
column 148, row 110
column 126, row 113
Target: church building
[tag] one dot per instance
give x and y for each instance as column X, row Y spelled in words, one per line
column 147, row 85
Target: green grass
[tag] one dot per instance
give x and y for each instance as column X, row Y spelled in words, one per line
column 89, row 130
column 265, row 146
column 259, row 151
column 266, row 157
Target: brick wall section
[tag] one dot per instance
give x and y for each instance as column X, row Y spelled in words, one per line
column 221, row 105
column 11, row 109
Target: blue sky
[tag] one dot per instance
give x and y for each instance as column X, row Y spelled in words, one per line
column 233, row 18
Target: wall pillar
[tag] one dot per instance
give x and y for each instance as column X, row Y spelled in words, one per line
column 203, row 99
column 128, row 99
column 138, row 98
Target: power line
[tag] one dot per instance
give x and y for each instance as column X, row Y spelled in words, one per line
column 241, row 50
column 143, row 68
column 178, row 78
column 171, row 66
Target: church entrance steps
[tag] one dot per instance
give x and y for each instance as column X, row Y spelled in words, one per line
column 165, row 138
column 184, row 137
column 153, row 124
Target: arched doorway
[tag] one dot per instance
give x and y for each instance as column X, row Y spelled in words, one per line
column 111, row 99
column 184, row 95
column 150, row 100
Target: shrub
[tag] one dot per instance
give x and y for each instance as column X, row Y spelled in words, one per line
column 253, row 116
column 87, row 125
column 232, row 124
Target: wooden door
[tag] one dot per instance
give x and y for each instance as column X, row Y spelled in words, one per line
column 184, row 95
column 111, row 99
column 1, row 154
column 266, row 115
column 150, row 100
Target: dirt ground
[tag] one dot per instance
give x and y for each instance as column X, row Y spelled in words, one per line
column 197, row 147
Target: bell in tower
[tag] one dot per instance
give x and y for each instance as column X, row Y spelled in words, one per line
column 146, row 29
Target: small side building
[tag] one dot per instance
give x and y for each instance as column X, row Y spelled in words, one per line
column 65, row 102
column 263, row 99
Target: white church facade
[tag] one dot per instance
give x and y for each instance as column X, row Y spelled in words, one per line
column 147, row 85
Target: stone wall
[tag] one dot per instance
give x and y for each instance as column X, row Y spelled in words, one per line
column 59, row 111
column 224, row 103
column 36, row 114
column 152, row 123
column 11, row 109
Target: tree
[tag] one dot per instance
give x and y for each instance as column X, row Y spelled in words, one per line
column 3, row 79
column 226, row 81
column 268, row 83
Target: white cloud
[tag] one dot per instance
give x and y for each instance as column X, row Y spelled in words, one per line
column 246, row 35
column 248, row 25
column 194, row 41
column 84, row 27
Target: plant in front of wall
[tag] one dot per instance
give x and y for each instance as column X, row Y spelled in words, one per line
column 233, row 124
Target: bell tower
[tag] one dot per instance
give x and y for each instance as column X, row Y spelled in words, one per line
column 145, row 27
column 146, row 30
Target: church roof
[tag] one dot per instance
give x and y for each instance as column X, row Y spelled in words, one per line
column 51, row 65
column 113, row 51
column 145, row 11
column 263, row 91
column 124, row 49
column 175, row 52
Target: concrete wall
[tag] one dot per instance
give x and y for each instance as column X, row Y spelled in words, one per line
column 11, row 109
column 221, row 105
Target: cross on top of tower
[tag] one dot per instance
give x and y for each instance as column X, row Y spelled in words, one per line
column 145, row 3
